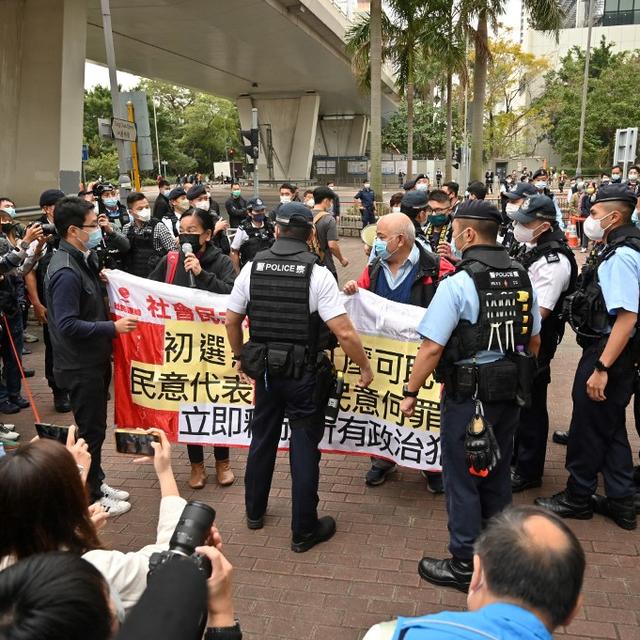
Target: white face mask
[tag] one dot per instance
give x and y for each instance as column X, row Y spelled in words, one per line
column 540, row 185
column 511, row 208
column 203, row 205
column 284, row 199
column 633, row 176
column 422, row 186
column 144, row 215
column 593, row 229
column 367, row 185
column 524, row 234
column 166, row 193
column 310, row 203
column 395, row 210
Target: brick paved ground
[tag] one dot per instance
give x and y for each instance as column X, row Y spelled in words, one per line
column 367, row 572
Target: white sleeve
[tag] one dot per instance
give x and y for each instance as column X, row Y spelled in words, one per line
column 239, row 296
column 324, row 295
column 549, row 280
column 239, row 239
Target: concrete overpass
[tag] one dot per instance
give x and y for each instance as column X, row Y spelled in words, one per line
column 285, row 57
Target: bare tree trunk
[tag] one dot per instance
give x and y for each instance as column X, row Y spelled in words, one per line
column 375, row 61
column 448, row 150
column 479, row 91
column 410, row 103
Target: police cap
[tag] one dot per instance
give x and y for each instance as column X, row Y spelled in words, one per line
column 540, row 173
column 50, row 197
column 196, row 191
column 413, row 202
column 294, row 213
column 538, row 207
column 478, row 210
column 615, row 193
column 521, row 190
column 176, row 193
column 256, row 204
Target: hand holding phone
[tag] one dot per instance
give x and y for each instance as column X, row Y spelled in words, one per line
column 135, row 442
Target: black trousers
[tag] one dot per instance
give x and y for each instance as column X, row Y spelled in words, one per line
column 472, row 500
column 196, row 453
column 48, row 362
column 598, row 440
column 292, row 398
column 88, row 390
column 533, row 431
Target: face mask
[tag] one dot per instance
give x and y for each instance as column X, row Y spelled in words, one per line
column 591, row 190
column 236, row 193
column 144, row 215
column 395, row 210
column 633, row 176
column 466, row 194
column 110, row 202
column 616, row 177
column 540, row 185
column 284, row 199
column 203, row 205
column 524, row 234
column 367, row 185
column 310, row 203
column 458, row 251
column 422, row 186
column 511, row 208
column 190, row 238
column 95, row 238
column 181, row 205
column 437, row 219
column 593, row 229
column 605, row 181
column 380, row 249
column 6, row 227
column 10, row 211
column 166, row 193
column 258, row 217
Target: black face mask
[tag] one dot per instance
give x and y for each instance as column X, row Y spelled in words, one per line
column 6, row 227
column 190, row 238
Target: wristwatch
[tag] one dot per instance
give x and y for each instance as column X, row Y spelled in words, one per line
column 409, row 394
column 601, row 367
column 224, row 633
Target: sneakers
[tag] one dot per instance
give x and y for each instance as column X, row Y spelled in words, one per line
column 113, row 494
column 6, row 432
column 21, row 402
column 376, row 475
column 561, row 437
column 114, row 507
column 7, row 407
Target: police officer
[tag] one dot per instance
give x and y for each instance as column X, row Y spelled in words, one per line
column 552, row 269
column 110, row 205
column 290, row 301
column 514, row 200
column 414, row 204
column 254, row 234
column 540, row 181
column 476, row 331
column 366, row 203
column 604, row 314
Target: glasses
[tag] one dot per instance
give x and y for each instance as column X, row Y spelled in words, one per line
column 432, row 210
column 90, row 226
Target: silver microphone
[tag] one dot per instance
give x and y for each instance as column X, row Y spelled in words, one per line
column 187, row 249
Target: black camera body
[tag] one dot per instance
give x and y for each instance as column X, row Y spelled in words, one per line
column 49, row 229
column 192, row 531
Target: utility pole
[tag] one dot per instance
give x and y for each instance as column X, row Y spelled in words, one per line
column 254, row 127
column 131, row 116
column 585, row 87
column 155, row 124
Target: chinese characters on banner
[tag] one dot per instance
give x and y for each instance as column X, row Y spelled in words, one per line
column 176, row 372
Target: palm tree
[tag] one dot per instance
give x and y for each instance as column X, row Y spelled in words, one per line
column 544, row 15
column 376, row 97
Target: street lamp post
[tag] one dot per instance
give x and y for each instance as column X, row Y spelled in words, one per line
column 585, row 86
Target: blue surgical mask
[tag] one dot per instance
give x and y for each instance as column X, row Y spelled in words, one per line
column 10, row 211
column 616, row 177
column 95, row 238
column 259, row 217
column 110, row 202
column 380, row 249
column 540, row 184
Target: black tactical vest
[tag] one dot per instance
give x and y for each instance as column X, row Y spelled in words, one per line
column 142, row 256
column 258, row 240
column 278, row 307
column 550, row 245
column 585, row 309
column 506, row 298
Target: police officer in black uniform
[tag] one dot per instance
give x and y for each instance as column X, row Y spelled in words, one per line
column 294, row 306
column 415, row 204
column 552, row 269
column 477, row 331
column 604, row 314
column 255, row 233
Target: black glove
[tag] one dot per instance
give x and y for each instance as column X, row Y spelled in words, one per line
column 480, row 446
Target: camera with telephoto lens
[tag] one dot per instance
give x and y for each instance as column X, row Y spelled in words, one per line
column 192, row 530
column 49, row 229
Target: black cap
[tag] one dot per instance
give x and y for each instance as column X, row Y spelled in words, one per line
column 176, row 193
column 413, row 202
column 409, row 184
column 196, row 191
column 538, row 207
column 256, row 204
column 294, row 213
column 615, row 193
column 101, row 187
column 521, row 190
column 540, row 173
column 50, row 196
column 478, row 210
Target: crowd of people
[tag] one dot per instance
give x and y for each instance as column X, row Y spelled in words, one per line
column 497, row 285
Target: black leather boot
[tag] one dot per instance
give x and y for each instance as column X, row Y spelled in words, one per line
column 450, row 572
column 621, row 510
column 566, row 505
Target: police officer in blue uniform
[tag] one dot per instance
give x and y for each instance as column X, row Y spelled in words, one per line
column 294, row 307
column 543, row 251
column 604, row 314
column 479, row 333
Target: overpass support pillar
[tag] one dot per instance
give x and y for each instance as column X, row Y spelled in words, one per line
column 357, row 143
column 42, row 55
column 341, row 136
column 293, row 123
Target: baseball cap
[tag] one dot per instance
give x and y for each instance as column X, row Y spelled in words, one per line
column 174, row 194
column 538, row 207
column 196, row 191
column 413, row 202
column 256, row 204
column 478, row 210
column 50, row 197
column 294, row 213
column 615, row 193
column 521, row 190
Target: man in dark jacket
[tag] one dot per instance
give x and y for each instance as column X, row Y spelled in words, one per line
column 236, row 206
column 161, row 207
column 402, row 270
column 255, row 234
column 82, row 335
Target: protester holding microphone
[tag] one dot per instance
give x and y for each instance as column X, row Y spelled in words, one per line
column 199, row 264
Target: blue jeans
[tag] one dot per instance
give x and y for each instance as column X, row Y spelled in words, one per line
column 12, row 377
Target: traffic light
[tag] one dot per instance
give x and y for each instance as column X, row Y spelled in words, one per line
column 232, row 153
column 252, row 144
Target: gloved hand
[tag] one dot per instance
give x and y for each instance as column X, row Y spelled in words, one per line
column 481, row 447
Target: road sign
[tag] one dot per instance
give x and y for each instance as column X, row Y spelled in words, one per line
column 104, row 128
column 625, row 149
column 85, row 152
column 123, row 130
